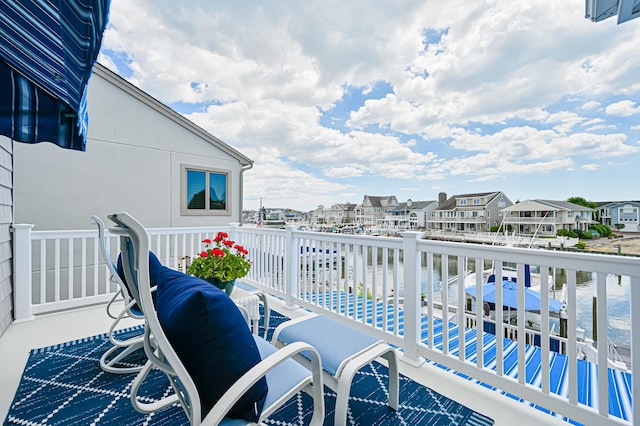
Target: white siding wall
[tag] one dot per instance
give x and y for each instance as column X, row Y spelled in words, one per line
column 132, row 163
column 6, row 218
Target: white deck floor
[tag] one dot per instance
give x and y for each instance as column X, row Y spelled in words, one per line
column 47, row 330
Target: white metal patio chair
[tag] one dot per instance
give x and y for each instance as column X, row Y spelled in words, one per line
column 284, row 376
column 114, row 359
column 111, row 360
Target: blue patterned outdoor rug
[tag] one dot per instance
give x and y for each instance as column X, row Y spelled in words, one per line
column 64, row 385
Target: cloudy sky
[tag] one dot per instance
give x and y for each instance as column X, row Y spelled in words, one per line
column 337, row 99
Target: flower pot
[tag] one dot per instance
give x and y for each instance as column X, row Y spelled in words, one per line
column 226, row 286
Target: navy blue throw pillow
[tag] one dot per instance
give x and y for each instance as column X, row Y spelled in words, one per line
column 211, row 337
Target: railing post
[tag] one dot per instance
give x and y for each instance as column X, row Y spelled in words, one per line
column 412, row 300
column 234, row 230
column 290, row 261
column 22, row 273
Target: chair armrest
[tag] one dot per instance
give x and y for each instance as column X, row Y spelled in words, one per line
column 233, row 394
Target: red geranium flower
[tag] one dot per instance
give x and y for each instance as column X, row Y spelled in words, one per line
column 222, row 259
column 240, row 249
column 221, row 236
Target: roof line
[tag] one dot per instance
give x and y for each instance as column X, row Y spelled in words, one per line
column 173, row 115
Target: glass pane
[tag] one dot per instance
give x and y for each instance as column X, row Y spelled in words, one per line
column 196, row 187
column 217, row 191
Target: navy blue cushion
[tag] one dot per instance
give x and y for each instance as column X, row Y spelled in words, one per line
column 211, row 337
column 154, row 268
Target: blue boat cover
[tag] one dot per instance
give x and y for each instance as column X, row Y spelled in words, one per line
column 532, row 299
column 47, row 52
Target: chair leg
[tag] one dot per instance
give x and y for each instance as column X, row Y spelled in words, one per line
column 350, row 370
column 107, row 364
column 394, row 380
column 267, row 312
column 342, row 404
column 342, row 394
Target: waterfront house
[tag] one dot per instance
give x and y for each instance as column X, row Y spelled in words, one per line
column 319, row 216
column 625, row 213
column 142, row 157
column 337, row 215
column 476, row 212
column 546, row 217
column 373, row 209
column 342, row 213
column 408, row 215
column 295, row 216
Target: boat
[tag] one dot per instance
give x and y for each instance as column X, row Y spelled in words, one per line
column 272, row 218
column 586, row 348
column 352, row 229
column 323, row 258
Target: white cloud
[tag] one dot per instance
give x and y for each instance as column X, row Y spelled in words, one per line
column 295, row 134
column 590, row 105
column 598, row 127
column 280, row 185
column 565, row 120
column 528, row 150
column 510, row 82
column 624, row 108
column 107, row 62
column 341, row 172
column 593, row 122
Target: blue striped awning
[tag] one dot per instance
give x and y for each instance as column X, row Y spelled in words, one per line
column 47, row 51
column 620, row 396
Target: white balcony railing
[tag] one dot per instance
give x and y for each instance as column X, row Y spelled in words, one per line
column 379, row 285
column 517, row 220
column 458, row 219
column 57, row 270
